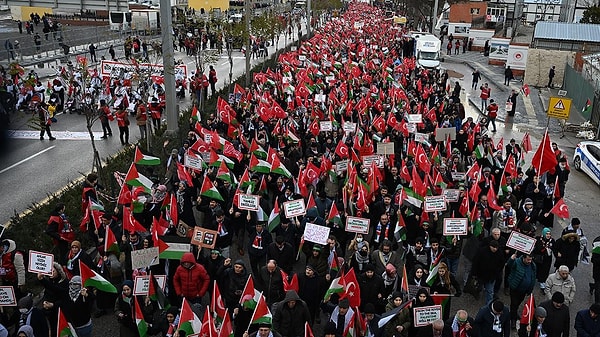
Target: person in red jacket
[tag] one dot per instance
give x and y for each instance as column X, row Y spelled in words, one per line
column 492, row 113
column 191, row 279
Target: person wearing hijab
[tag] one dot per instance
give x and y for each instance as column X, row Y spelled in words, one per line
column 55, row 287
column 542, row 256
column 123, row 311
column 417, row 277
column 422, row 299
column 25, row 331
column 77, row 307
column 361, row 257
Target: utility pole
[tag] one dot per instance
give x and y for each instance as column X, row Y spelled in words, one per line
column 434, row 15
column 248, row 14
column 308, row 18
column 166, row 29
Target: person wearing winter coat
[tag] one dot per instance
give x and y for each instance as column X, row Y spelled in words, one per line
column 587, row 323
column 566, row 250
column 493, row 320
column 542, row 256
column 25, row 331
column 76, row 304
column 191, row 279
column 536, row 326
column 558, row 320
column 123, row 311
column 422, row 299
column 371, row 289
column 291, row 315
column 563, row 282
column 445, row 283
column 400, row 324
column 55, row 287
column 270, row 282
column 488, row 262
column 311, row 289
column 32, row 316
column 461, row 325
column 232, row 279
column 521, row 281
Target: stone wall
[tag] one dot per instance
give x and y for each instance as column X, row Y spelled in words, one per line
column 539, row 62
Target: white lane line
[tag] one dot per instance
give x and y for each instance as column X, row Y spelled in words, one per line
column 26, row 159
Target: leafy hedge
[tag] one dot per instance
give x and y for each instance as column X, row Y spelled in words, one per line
column 27, row 229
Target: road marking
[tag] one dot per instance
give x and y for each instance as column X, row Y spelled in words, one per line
column 26, row 159
column 60, row 135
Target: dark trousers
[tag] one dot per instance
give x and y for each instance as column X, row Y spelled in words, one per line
column 45, row 129
column 124, row 134
column 516, row 297
column 106, row 128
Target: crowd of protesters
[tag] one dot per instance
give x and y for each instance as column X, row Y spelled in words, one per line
column 305, row 131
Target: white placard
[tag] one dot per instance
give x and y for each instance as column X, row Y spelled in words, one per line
column 142, row 284
column 357, row 225
column 326, row 126
column 302, row 57
column 452, row 195
column 315, row 233
column 294, row 208
column 378, row 159
column 40, row 263
column 320, row 98
column 456, row 226
column 341, row 166
column 192, row 161
column 385, row 148
column 442, row 134
column 458, row 176
column 142, row 258
column 248, row 202
column 435, row 203
column 411, row 127
column 330, row 79
column 424, row 316
column 520, row 242
column 421, row 137
column 414, row 118
column 349, row 127
column 7, row 296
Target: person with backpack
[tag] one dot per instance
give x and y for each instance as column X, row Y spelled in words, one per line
column 12, row 268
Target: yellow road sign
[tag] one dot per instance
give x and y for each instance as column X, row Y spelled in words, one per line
column 559, row 107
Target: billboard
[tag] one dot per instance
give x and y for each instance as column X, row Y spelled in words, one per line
column 517, row 57
column 499, row 49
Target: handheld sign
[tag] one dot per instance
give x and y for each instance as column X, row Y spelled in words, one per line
column 40, row 263
column 203, row 237
column 385, row 148
column 414, row 118
column 315, row 233
column 421, row 137
column 341, row 166
column 326, row 126
column 357, row 225
column 435, row 203
column 456, row 226
column 294, row 208
column 458, row 176
column 424, row 316
column 378, row 159
column 442, row 134
column 349, row 127
column 7, row 296
column 521, row 242
column 249, row 202
column 192, row 161
column 141, row 285
column 143, row 258
column 452, row 195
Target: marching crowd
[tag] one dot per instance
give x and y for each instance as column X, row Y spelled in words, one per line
column 309, row 131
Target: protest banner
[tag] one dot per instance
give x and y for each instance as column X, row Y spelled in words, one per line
column 414, row 118
column 421, row 137
column 40, row 263
column 411, row 127
column 424, row 316
column 385, row 148
column 520, row 242
column 294, row 208
column 142, row 284
column 7, row 296
column 452, row 195
column 458, row 176
column 143, row 258
column 205, row 238
column 326, row 125
column 378, row 159
column 315, row 233
column 441, row 134
column 192, row 161
column 341, row 166
column 435, row 203
column 357, row 225
column 349, row 127
column 249, row 202
column 456, row 226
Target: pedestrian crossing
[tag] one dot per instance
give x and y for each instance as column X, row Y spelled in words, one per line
column 59, row 135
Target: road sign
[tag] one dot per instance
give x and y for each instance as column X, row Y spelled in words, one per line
column 559, row 107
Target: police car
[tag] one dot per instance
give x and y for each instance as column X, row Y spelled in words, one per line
column 587, row 159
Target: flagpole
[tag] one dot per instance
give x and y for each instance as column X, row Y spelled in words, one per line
column 543, row 147
column 251, row 317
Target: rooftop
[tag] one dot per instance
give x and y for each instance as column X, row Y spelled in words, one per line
column 567, row 31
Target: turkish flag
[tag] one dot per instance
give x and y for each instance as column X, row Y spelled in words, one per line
column 351, row 288
column 341, row 150
column 404, row 174
column 392, row 120
column 315, row 127
column 379, row 124
column 544, row 159
column 422, row 159
column 492, row 200
column 417, row 183
column 264, row 112
column 561, row 209
column 528, row 311
column 312, row 172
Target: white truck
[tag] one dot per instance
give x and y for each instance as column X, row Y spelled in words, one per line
column 427, row 50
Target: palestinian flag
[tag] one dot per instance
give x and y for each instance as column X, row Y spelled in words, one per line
column 134, row 178
column 261, row 313
column 277, row 167
column 587, row 108
column 389, row 315
column 217, row 306
column 400, row 230
column 225, row 174
column 143, row 159
column 250, row 296
column 188, row 321
column 433, row 271
column 64, row 328
column 156, row 293
column 258, row 150
column 336, row 287
column 245, row 180
column 217, row 159
column 443, row 300
column 479, row 151
column 110, row 242
column 89, row 278
column 259, row 165
column 350, row 331
column 334, row 215
column 195, row 115
column 209, row 190
column 226, row 328
column 274, row 217
column 172, row 250
column 411, row 197
column 139, row 319
column 96, row 206
column 596, row 247
column 476, row 222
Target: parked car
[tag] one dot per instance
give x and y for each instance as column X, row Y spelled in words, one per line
column 587, row 159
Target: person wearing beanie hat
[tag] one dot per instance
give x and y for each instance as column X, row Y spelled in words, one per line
column 372, row 321
column 542, row 256
column 536, row 326
column 341, row 316
column 587, row 322
column 561, row 282
column 558, row 318
column 234, row 276
column 329, row 330
column 492, row 320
